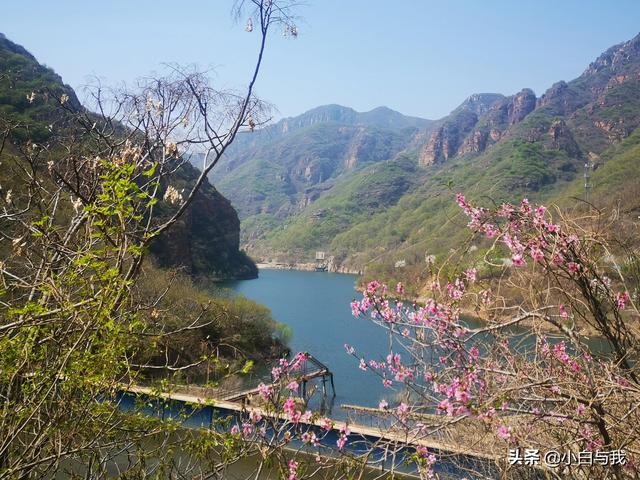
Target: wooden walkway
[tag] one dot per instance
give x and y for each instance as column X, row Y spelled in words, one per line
column 377, row 434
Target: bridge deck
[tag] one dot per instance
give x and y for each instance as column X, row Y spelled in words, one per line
column 384, row 435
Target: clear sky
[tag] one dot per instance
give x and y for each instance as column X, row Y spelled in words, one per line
column 420, row 57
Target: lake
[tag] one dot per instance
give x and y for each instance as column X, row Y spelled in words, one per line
column 316, row 306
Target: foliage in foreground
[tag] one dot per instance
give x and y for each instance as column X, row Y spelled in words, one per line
column 529, row 378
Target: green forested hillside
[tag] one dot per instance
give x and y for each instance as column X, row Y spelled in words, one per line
column 37, row 113
column 38, row 106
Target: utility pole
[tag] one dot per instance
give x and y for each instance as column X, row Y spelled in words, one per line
column 587, row 179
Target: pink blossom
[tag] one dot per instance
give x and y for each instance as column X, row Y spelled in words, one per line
column 350, row 350
column 293, row 386
column 383, row 405
column 517, row 260
column 504, row 432
column 558, row 259
column 293, row 470
column 544, row 348
column 247, row 429
column 537, row 254
column 298, row 361
column 326, row 424
column 342, row 439
column 264, row 391
column 573, row 267
column 489, row 230
column 488, row 415
column 400, row 288
column 235, row 430
column 310, row 438
column 506, row 210
column 485, row 296
column 289, row 406
column 373, row 286
column 559, row 350
column 363, row 365
column 622, row 299
column 402, row 409
column 445, row 406
column 471, row 275
column 563, row 311
column 461, row 394
column 474, row 353
column 255, row 417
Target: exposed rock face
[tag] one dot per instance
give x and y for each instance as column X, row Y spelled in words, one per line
column 445, row 141
column 590, row 112
column 520, row 106
column 562, row 139
column 486, row 120
column 450, row 138
column 476, row 142
column 360, row 147
column 558, row 99
column 206, row 240
column 616, row 58
column 480, row 103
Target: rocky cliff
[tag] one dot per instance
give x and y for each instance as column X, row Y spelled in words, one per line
column 479, row 122
column 205, row 242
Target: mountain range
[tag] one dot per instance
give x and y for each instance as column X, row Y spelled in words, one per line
column 377, row 187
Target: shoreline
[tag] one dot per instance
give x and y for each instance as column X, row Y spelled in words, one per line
column 304, row 267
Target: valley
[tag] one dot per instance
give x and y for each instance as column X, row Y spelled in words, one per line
column 375, row 188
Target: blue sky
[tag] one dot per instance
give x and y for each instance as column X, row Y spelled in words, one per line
column 419, row 57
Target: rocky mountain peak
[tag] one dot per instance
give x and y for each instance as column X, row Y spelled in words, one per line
column 521, row 105
column 480, row 103
column 616, row 58
column 482, row 119
column 380, row 117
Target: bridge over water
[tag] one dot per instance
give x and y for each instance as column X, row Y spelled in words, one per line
column 388, row 447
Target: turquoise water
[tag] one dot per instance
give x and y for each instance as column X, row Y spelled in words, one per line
column 316, row 306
